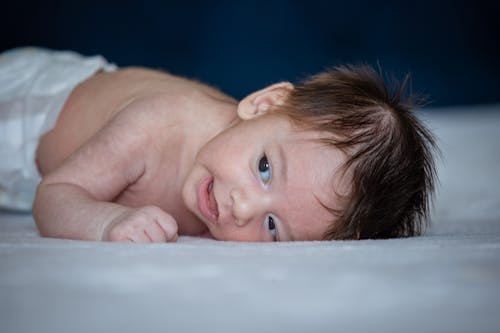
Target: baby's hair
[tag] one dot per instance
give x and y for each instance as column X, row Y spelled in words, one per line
column 389, row 150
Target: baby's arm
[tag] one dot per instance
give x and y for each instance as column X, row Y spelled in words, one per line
column 75, row 200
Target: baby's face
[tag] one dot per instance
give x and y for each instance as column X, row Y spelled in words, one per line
column 263, row 180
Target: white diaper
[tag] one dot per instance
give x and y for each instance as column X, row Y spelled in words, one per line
column 34, row 84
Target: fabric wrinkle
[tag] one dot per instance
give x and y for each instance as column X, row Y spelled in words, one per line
column 34, row 85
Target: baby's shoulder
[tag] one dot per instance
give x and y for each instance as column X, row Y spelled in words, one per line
column 179, row 105
column 164, row 120
column 154, row 110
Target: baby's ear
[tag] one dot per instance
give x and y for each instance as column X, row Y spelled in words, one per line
column 261, row 101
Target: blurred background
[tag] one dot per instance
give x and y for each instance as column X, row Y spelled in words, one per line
column 451, row 48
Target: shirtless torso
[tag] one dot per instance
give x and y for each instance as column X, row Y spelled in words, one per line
column 143, row 129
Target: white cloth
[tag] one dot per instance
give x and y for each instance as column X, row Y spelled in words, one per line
column 34, row 85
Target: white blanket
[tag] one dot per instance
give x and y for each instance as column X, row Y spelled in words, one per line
column 445, row 281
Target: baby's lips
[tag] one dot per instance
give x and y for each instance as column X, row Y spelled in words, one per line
column 207, row 204
column 212, row 204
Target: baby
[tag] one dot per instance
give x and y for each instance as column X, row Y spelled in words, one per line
column 140, row 155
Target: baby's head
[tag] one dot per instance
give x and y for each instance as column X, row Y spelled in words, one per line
column 338, row 156
column 389, row 152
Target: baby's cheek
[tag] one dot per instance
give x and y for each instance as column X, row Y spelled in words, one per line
column 241, row 235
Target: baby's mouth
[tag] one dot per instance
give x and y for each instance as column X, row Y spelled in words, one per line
column 212, row 203
column 206, row 200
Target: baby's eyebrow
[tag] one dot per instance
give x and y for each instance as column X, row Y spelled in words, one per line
column 288, row 232
column 292, row 237
column 283, row 164
column 287, row 235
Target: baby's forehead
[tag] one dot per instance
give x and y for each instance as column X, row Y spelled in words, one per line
column 317, row 168
column 315, row 146
column 309, row 212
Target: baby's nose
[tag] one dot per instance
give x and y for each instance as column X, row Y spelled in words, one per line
column 245, row 206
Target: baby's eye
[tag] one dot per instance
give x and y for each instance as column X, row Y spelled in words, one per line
column 264, row 169
column 271, row 227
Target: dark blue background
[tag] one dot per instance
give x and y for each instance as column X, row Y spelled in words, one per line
column 450, row 47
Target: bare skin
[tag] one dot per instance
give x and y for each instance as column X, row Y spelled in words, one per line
column 144, row 156
column 128, row 122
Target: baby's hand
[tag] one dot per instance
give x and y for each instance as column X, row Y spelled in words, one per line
column 148, row 224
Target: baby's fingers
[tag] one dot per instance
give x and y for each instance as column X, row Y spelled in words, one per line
column 164, row 227
column 169, row 230
column 140, row 236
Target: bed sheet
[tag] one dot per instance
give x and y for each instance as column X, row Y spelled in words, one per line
column 447, row 280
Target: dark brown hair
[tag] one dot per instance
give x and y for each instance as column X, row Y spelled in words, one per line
column 389, row 150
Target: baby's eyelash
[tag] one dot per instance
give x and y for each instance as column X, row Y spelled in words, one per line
column 264, row 168
column 271, row 227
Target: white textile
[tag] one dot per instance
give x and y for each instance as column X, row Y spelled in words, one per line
column 34, row 85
